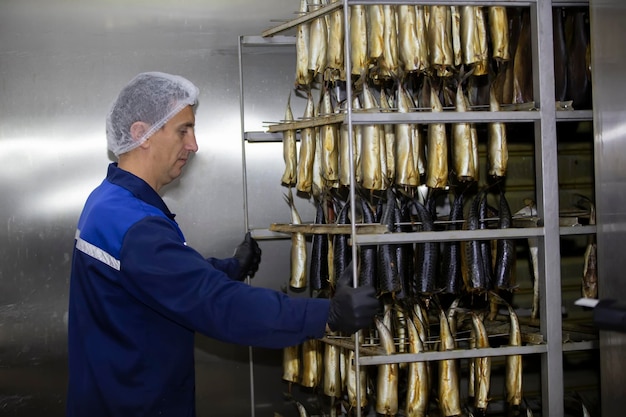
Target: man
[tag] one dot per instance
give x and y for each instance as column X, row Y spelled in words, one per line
column 138, row 293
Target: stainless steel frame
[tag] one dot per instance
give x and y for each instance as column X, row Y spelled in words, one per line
column 545, row 120
column 608, row 62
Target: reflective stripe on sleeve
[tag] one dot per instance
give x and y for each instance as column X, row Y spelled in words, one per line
column 96, row 253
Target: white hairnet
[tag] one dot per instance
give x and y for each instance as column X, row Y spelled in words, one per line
column 152, row 98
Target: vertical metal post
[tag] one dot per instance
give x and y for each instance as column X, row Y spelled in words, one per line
column 607, row 45
column 244, row 177
column 548, row 205
column 348, row 121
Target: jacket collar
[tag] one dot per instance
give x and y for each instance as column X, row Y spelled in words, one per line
column 138, row 187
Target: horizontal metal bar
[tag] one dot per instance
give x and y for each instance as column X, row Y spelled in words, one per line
column 445, row 117
column 266, row 234
column 574, row 115
column 450, row 235
column 263, row 136
column 450, row 2
column 580, row 346
column 303, row 19
column 578, row 230
column 452, row 354
column 269, row 41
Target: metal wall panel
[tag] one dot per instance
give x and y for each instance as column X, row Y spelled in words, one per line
column 608, row 62
column 61, row 65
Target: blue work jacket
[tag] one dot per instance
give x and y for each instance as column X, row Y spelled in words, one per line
column 138, row 294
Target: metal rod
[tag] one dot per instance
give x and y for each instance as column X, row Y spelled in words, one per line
column 245, row 203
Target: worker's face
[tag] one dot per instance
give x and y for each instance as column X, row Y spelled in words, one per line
column 172, row 145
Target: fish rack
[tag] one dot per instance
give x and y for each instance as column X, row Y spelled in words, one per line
column 549, row 337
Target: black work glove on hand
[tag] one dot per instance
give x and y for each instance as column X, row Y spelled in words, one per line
column 351, row 309
column 248, row 254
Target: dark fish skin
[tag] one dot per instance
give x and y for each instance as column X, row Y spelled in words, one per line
column 578, row 81
column 451, row 267
column 426, row 253
column 387, row 267
column 318, row 269
column 341, row 249
column 560, row 55
column 522, row 67
column 485, row 245
column 505, row 248
column 405, row 252
column 515, row 27
column 401, row 255
column 368, row 253
column 473, row 269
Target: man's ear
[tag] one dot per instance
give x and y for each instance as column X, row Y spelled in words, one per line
column 138, row 129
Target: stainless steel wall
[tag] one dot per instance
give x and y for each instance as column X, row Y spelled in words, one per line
column 607, row 36
column 61, row 64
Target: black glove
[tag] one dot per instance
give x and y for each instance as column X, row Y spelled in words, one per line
column 248, row 254
column 351, row 309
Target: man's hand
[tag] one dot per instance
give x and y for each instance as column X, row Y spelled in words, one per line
column 351, row 309
column 248, row 254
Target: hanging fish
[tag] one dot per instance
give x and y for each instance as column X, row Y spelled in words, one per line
column 335, row 68
column 312, row 363
column 560, row 55
column 318, row 42
column 421, row 30
column 387, row 378
column 505, row 249
column 303, row 76
column 406, row 170
column 440, row 40
column 332, row 369
column 409, row 48
column 307, row 150
column 387, row 268
column 474, row 274
column 522, row 65
column 449, row 395
column 375, row 31
column 455, row 16
column 590, row 267
column 388, row 62
column 291, row 364
column 341, row 248
column 358, row 39
column 451, row 268
column 329, row 138
column 513, row 364
column 481, row 67
column 499, row 31
column 418, row 384
column 437, row 156
column 298, row 277
column 344, row 148
column 318, row 275
column 389, row 140
column 368, row 258
column 464, row 146
column 289, row 150
column 351, row 378
column 426, row 253
column 578, row 81
column 498, row 150
column 371, row 165
column 482, row 365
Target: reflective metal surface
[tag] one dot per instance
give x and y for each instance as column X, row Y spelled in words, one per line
column 61, row 65
column 609, row 90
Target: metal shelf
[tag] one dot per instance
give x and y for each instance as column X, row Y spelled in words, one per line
column 449, row 235
column 452, row 354
column 545, row 119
